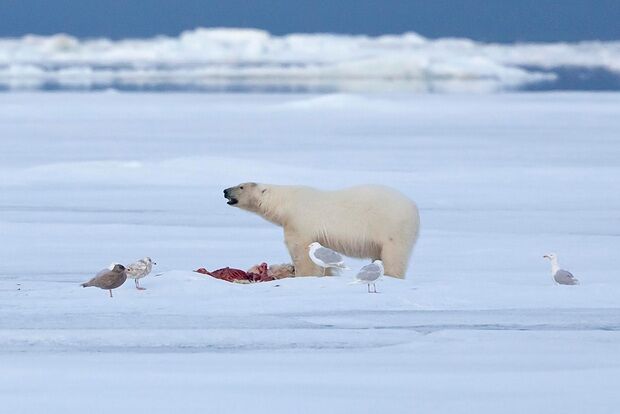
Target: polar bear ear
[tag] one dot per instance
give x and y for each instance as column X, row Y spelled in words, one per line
column 264, row 190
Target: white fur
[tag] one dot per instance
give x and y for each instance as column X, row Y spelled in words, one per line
column 372, row 222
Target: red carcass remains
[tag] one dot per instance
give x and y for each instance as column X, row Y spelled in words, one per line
column 258, row 273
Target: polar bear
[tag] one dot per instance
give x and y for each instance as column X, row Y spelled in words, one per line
column 369, row 221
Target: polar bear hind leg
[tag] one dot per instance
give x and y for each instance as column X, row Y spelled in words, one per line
column 395, row 257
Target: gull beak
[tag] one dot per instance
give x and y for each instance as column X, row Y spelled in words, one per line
column 545, row 257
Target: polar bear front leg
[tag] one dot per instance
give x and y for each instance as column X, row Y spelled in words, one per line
column 298, row 249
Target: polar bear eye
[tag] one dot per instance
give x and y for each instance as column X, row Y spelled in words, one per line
column 241, row 188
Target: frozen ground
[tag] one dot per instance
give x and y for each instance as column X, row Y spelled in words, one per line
column 478, row 326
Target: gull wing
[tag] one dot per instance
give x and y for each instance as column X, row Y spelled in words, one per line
column 564, row 277
column 327, row 256
column 369, row 273
column 138, row 267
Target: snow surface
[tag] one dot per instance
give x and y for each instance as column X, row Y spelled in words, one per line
column 254, row 59
column 477, row 326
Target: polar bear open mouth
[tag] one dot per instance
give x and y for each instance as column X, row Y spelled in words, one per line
column 232, row 201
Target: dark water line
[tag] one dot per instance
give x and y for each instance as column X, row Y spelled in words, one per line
column 575, row 78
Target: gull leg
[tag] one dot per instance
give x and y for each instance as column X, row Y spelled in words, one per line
column 110, row 293
column 138, row 285
column 374, row 287
column 368, row 286
column 324, row 271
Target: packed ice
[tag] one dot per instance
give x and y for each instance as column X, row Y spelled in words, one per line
column 250, row 59
column 478, row 325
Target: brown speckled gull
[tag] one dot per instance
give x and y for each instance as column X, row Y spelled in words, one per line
column 140, row 269
column 108, row 279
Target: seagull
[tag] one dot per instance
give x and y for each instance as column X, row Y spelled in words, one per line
column 109, row 279
column 140, row 269
column 324, row 257
column 369, row 274
column 561, row 276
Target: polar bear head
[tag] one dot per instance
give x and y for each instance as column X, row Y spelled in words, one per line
column 247, row 196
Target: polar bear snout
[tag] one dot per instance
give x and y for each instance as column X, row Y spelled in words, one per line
column 228, row 194
column 244, row 195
